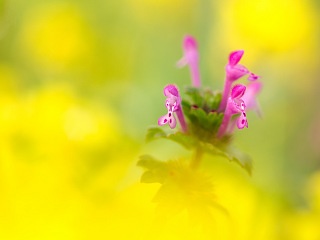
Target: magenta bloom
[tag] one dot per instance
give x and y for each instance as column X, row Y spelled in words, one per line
column 235, row 105
column 173, row 105
column 234, row 71
column 191, row 58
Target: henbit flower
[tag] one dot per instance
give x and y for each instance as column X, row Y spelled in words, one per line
column 235, row 105
column 173, row 104
column 191, row 58
column 253, row 89
column 234, row 71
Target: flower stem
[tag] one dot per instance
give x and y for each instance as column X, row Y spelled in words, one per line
column 224, row 125
column 181, row 119
column 225, row 95
column 196, row 158
column 195, row 75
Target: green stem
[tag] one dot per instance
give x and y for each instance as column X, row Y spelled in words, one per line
column 196, row 158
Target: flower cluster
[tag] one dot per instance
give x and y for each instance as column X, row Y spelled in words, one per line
column 235, row 100
column 207, row 119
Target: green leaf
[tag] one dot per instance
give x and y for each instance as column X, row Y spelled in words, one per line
column 148, row 162
column 213, row 150
column 156, row 171
column 196, row 95
column 185, row 140
column 186, row 107
column 155, row 133
column 243, row 159
column 201, row 116
column 215, row 120
column 232, row 154
column 214, row 102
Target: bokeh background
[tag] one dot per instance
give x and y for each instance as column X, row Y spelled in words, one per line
column 80, row 82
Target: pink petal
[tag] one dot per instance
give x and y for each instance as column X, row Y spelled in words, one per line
column 235, row 57
column 168, row 119
column 173, row 96
column 182, row 62
column 253, row 77
column 255, row 87
column 170, row 90
column 235, row 106
column 163, row 120
column 190, row 55
column 172, row 121
column 191, row 58
column 242, row 121
column 189, row 43
column 236, row 72
column 238, row 91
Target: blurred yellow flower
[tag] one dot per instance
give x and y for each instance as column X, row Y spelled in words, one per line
column 50, row 143
column 269, row 25
column 54, row 35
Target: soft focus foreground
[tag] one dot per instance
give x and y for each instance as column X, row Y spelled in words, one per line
column 80, row 82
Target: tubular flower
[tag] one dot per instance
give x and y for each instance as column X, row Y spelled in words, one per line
column 234, row 71
column 191, row 58
column 235, row 105
column 173, row 104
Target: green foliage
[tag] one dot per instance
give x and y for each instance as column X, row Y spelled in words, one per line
column 203, row 125
column 190, row 142
column 196, row 96
column 212, row 99
column 230, row 153
column 185, row 140
column 155, row 133
column 204, row 98
column 200, row 110
column 156, row 171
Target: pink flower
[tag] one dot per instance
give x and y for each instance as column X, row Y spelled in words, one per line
column 235, row 105
column 191, row 58
column 234, row 71
column 173, row 105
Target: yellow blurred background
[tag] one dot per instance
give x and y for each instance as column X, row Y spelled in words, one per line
column 80, row 82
